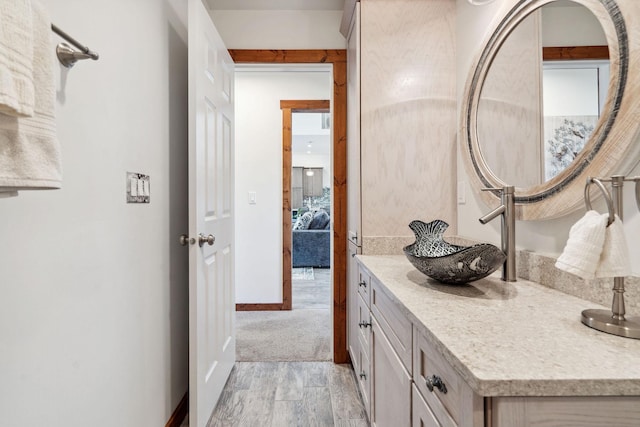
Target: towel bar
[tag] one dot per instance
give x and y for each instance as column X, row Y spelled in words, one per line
column 67, row 55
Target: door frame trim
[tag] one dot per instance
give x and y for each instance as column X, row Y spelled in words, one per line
column 338, row 58
column 289, row 107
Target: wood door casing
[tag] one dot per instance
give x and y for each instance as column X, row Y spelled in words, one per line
column 338, row 58
column 288, row 108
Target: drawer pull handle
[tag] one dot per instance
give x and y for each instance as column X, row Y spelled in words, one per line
column 435, row 381
column 363, row 375
column 365, row 324
column 363, row 283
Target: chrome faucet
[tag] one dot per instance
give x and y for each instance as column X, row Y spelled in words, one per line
column 508, row 228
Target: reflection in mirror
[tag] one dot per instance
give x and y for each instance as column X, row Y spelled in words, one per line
column 546, row 110
column 572, row 103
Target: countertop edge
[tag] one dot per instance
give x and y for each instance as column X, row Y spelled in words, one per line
column 511, row 387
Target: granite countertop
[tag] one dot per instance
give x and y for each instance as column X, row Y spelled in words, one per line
column 512, row 338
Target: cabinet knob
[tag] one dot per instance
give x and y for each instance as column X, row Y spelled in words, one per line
column 365, row 324
column 363, row 283
column 435, row 381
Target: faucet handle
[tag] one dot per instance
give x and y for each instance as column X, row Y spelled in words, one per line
column 493, row 190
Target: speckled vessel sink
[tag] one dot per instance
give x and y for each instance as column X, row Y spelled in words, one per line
column 447, row 263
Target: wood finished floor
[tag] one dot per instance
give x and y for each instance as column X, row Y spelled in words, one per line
column 312, row 294
column 281, row 394
column 284, row 394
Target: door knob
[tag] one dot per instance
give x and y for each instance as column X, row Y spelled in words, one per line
column 185, row 240
column 202, row 239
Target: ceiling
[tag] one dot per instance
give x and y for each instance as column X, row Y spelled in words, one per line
column 275, row 4
column 307, row 135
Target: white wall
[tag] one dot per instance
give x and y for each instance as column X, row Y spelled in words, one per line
column 473, row 24
column 547, row 237
column 93, row 306
column 259, row 168
column 280, row 29
column 585, row 30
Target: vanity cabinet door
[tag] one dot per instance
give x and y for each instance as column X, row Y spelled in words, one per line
column 363, row 374
column 352, row 305
column 391, row 395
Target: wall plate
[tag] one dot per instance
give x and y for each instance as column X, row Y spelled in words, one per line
column 138, row 188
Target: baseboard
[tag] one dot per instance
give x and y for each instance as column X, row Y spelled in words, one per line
column 262, row 307
column 180, row 413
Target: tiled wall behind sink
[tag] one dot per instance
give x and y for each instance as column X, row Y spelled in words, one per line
column 541, row 269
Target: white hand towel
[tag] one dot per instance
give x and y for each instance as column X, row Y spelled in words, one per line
column 614, row 260
column 16, row 58
column 581, row 254
column 29, row 149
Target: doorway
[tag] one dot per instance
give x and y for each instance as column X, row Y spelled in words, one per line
column 337, row 59
column 306, row 204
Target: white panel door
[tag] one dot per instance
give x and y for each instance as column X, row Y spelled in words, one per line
column 211, row 278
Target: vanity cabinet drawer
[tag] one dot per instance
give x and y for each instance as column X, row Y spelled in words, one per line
column 393, row 323
column 421, row 414
column 363, row 317
column 364, row 285
column 450, row 399
column 583, row 411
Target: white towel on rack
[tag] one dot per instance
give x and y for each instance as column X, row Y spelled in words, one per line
column 16, row 58
column 29, row 149
column 614, row 260
column 581, row 254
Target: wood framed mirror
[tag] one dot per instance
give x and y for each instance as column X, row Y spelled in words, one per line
column 494, row 128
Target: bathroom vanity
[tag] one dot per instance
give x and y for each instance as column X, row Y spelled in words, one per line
column 490, row 353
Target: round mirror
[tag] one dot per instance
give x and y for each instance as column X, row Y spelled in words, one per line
column 548, row 106
column 540, row 123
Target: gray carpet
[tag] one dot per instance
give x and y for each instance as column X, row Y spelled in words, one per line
column 296, row 335
column 302, row 334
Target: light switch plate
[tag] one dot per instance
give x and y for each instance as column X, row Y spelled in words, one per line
column 462, row 197
column 252, row 197
column 138, row 188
